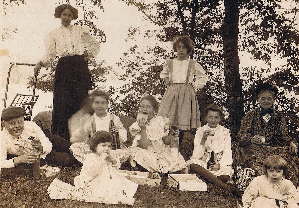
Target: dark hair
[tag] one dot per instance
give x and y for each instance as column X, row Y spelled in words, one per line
column 185, row 40
column 276, row 162
column 98, row 138
column 215, row 108
column 152, row 100
column 62, row 7
column 265, row 87
column 98, row 93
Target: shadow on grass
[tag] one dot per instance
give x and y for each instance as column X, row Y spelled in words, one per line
column 23, row 192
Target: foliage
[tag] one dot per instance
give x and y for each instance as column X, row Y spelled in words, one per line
column 267, row 30
column 88, row 15
column 46, row 80
column 172, row 19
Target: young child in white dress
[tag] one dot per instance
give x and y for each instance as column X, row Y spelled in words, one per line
column 150, row 148
column 99, row 180
column 271, row 190
column 212, row 154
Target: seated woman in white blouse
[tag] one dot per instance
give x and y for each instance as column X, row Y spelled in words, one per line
column 73, row 46
column 100, row 120
column 23, row 140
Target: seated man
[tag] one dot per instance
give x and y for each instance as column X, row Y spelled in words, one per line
column 22, row 141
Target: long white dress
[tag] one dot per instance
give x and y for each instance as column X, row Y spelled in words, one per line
column 98, row 182
column 158, row 157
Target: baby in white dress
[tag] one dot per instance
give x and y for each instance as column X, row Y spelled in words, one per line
column 99, row 179
column 271, row 190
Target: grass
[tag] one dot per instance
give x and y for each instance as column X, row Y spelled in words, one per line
column 23, row 192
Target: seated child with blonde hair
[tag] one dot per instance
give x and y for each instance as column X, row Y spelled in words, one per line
column 272, row 189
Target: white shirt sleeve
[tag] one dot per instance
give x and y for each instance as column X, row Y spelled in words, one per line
column 165, row 72
column 251, row 193
column 50, row 49
column 199, row 78
column 135, row 132
column 4, row 163
column 293, row 194
column 121, row 129
column 45, row 142
column 92, row 167
column 82, row 133
column 157, row 129
column 226, row 159
column 199, row 150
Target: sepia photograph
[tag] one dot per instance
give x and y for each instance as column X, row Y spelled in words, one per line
column 149, row 103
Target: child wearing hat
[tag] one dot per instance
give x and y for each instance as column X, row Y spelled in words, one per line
column 154, row 147
column 23, row 140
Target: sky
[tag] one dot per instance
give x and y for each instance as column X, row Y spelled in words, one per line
column 35, row 20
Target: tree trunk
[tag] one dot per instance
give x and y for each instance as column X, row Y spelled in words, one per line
column 233, row 83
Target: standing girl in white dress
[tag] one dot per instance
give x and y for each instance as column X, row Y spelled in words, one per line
column 271, row 190
column 184, row 76
column 74, row 46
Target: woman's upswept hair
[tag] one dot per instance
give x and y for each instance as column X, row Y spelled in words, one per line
column 276, row 162
column 62, row 7
column 185, row 40
column 265, row 87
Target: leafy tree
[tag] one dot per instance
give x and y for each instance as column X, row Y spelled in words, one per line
column 220, row 29
column 233, row 82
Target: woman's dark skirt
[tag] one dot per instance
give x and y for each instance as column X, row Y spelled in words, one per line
column 71, row 85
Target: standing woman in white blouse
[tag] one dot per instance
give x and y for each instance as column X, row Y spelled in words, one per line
column 73, row 45
column 184, row 76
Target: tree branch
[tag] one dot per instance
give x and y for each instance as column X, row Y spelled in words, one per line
column 181, row 15
column 195, row 9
